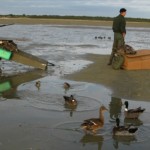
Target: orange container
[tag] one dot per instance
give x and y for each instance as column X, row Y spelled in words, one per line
column 141, row 60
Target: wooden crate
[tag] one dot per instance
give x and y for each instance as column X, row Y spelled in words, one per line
column 141, row 60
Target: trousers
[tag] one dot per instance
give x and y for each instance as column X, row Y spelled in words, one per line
column 117, row 44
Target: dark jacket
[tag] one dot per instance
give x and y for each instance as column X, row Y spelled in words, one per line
column 119, row 24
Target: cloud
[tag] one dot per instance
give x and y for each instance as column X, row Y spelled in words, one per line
column 135, row 4
column 76, row 7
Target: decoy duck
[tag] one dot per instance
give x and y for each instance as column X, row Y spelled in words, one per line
column 94, row 124
column 70, row 100
column 66, row 85
column 38, row 84
column 124, row 130
column 70, row 106
column 132, row 113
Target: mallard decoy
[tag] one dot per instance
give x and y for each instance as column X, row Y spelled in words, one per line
column 94, row 124
column 70, row 100
column 38, row 84
column 71, row 107
column 124, row 130
column 66, row 85
column 132, row 113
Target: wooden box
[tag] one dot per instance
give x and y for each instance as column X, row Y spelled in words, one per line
column 141, row 60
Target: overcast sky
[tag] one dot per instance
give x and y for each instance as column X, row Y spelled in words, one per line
column 108, row 8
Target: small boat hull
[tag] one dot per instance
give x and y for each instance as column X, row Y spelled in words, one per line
column 28, row 59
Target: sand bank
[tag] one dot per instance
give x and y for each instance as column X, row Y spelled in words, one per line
column 67, row 22
column 124, row 84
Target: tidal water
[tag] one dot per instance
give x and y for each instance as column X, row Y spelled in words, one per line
column 36, row 118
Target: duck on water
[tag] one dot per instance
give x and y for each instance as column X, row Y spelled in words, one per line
column 132, row 113
column 94, row 124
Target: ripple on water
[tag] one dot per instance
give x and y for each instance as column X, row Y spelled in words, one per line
column 56, row 101
column 143, row 133
column 71, row 132
column 53, row 85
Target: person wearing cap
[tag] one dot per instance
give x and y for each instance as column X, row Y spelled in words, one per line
column 119, row 29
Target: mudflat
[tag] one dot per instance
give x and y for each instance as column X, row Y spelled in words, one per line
column 123, row 83
column 68, row 22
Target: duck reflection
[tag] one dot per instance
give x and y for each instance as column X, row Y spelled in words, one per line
column 136, row 122
column 92, row 139
column 70, row 108
column 9, row 84
column 126, row 140
column 115, row 107
column 70, row 104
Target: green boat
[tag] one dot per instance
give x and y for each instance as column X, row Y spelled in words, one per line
column 10, row 51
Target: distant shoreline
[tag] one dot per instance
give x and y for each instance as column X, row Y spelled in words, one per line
column 30, row 21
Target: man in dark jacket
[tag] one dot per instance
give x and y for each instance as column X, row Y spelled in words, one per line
column 119, row 29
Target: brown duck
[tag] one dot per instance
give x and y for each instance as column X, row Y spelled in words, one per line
column 94, row 124
column 38, row 84
column 132, row 113
column 66, row 85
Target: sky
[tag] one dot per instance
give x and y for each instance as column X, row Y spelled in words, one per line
column 107, row 8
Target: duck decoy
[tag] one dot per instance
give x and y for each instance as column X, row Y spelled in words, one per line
column 132, row 113
column 66, row 85
column 124, row 130
column 100, row 37
column 94, row 124
column 70, row 105
column 70, row 100
column 38, row 84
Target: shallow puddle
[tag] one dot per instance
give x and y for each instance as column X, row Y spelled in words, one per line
column 36, row 118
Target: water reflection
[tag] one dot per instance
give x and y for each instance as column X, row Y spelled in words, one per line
column 135, row 122
column 126, row 140
column 9, row 84
column 70, row 108
column 115, row 107
column 90, row 139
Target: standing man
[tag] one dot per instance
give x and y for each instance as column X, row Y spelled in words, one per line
column 119, row 29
